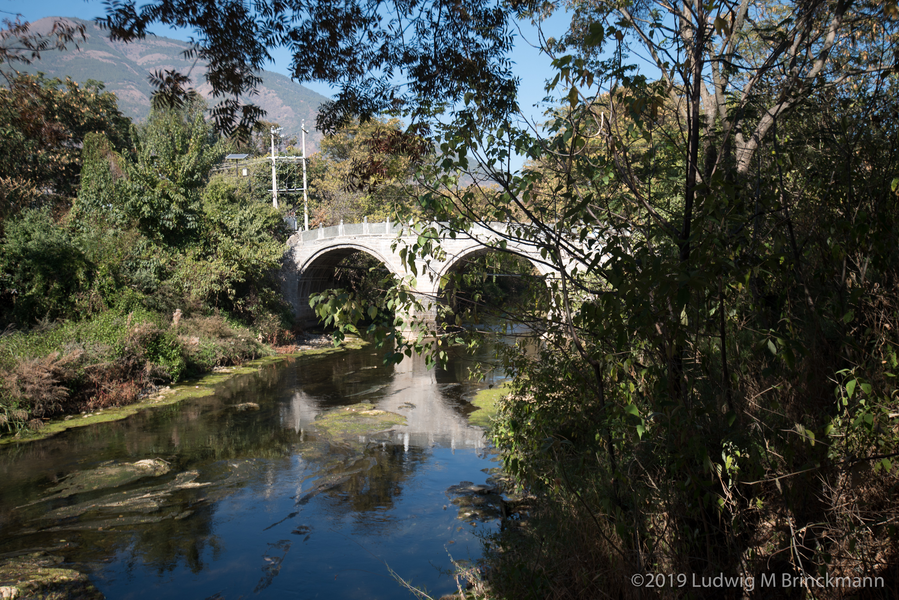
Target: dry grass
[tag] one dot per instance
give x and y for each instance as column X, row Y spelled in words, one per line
column 36, row 385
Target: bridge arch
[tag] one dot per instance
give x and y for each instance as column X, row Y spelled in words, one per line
column 316, row 273
column 475, row 250
column 457, row 261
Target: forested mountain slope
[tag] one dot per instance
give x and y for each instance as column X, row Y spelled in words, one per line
column 124, row 69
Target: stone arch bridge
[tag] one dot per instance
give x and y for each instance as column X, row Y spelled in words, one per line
column 312, row 257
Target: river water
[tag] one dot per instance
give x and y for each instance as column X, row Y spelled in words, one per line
column 263, row 502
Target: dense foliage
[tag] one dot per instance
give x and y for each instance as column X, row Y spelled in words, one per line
column 364, row 170
column 43, row 123
column 358, row 45
column 714, row 388
column 158, row 271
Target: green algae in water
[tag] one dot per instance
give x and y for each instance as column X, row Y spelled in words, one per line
column 175, row 394
column 302, row 481
column 484, row 403
column 143, row 500
column 107, row 476
column 40, row 576
column 359, row 419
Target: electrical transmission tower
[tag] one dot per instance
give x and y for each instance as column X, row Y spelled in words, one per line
column 290, row 159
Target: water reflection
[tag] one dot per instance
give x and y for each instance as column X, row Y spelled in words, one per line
column 430, row 399
column 261, row 501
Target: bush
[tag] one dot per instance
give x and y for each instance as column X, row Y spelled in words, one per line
column 272, row 330
column 35, row 384
column 211, row 341
column 160, row 349
column 43, row 268
column 108, row 359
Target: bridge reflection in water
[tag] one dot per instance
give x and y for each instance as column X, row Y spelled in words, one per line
column 434, row 404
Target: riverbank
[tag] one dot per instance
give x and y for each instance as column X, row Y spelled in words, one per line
column 305, row 345
column 42, row 574
column 485, row 404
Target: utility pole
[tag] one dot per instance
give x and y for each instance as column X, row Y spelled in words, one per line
column 274, row 171
column 305, row 202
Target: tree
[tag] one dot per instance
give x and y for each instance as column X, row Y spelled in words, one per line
column 42, row 268
column 234, row 266
column 714, row 287
column 160, row 190
column 367, row 47
column 194, row 240
column 44, row 123
column 365, row 170
column 709, row 256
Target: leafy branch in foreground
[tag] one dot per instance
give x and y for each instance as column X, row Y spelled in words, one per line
column 19, row 44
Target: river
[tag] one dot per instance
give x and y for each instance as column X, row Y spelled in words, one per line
column 235, row 501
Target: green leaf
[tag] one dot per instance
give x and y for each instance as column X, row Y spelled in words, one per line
column 372, row 311
column 772, row 347
column 595, row 35
column 573, row 97
column 850, row 387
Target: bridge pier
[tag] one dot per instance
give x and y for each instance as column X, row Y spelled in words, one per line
column 427, row 316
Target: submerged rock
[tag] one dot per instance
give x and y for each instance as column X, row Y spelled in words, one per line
column 145, row 500
column 245, row 406
column 108, row 475
column 497, row 500
column 477, row 502
column 41, row 576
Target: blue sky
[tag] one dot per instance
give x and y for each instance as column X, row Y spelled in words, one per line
column 530, row 66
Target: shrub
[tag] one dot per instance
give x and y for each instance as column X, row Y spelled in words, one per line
column 162, row 350
column 211, row 341
column 34, row 388
column 43, row 268
column 272, row 331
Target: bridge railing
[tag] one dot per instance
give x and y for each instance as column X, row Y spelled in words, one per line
column 382, row 228
column 520, row 233
column 352, row 229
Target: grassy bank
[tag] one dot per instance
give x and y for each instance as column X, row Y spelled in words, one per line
column 172, row 394
column 110, row 360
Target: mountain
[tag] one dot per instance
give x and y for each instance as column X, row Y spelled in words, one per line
column 123, row 69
